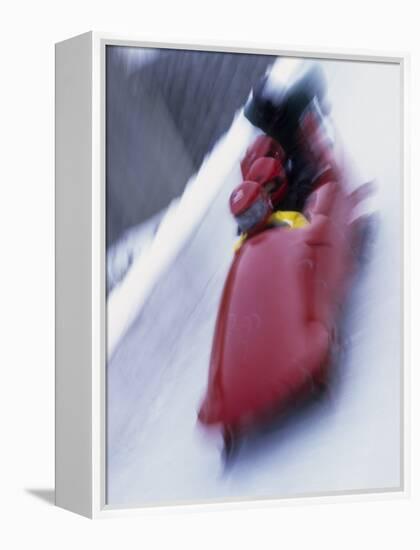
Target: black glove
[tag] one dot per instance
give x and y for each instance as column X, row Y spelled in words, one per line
column 278, row 112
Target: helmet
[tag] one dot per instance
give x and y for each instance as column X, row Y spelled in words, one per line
column 269, row 173
column 251, row 207
column 263, row 146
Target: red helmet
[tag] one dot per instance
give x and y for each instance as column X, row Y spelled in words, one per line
column 269, row 173
column 251, row 206
column 263, row 146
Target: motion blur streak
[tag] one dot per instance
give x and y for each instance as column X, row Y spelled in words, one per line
column 158, row 370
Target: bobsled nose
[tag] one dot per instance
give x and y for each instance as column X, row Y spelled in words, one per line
column 210, row 410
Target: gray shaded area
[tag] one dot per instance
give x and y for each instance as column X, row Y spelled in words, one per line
column 165, row 111
column 46, row 495
column 73, row 274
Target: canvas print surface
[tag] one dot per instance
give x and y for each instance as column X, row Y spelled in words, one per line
column 254, row 240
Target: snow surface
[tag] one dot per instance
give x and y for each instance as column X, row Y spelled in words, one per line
column 164, row 319
column 129, row 248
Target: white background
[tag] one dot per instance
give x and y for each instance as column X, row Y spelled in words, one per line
column 28, row 33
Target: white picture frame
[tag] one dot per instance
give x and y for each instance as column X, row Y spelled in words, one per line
column 81, row 340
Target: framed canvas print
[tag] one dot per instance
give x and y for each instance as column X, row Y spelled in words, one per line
column 230, row 283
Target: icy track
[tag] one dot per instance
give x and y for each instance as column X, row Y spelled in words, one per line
column 163, row 327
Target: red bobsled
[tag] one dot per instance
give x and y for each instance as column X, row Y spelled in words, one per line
column 278, row 313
